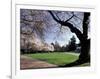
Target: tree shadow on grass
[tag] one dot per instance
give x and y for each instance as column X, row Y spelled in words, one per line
column 75, row 63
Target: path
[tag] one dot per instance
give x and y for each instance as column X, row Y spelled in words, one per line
column 30, row 63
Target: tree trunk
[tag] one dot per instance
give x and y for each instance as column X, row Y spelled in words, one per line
column 85, row 51
column 85, row 43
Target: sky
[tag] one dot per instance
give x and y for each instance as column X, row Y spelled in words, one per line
column 53, row 30
column 63, row 35
column 61, row 38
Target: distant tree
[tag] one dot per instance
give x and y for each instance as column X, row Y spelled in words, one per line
column 56, row 45
column 52, row 44
column 63, row 48
column 72, row 44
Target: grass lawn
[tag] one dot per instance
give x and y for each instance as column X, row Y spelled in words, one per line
column 55, row 58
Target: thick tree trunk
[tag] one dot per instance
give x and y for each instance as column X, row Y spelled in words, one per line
column 85, row 43
column 85, row 51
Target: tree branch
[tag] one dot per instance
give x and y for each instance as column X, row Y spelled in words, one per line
column 67, row 24
column 59, row 21
column 70, row 18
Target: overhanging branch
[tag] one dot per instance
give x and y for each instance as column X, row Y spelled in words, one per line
column 68, row 24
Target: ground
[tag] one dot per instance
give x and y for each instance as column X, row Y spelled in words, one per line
column 29, row 63
column 47, row 60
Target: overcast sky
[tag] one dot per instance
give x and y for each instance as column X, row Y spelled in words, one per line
column 62, row 35
column 61, row 38
column 53, row 31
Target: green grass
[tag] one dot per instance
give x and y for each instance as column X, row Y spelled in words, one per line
column 55, row 58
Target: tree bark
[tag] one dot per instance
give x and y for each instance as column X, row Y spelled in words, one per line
column 85, row 51
column 85, row 42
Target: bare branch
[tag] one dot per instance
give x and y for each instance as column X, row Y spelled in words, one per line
column 77, row 17
column 68, row 24
column 70, row 18
column 59, row 21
